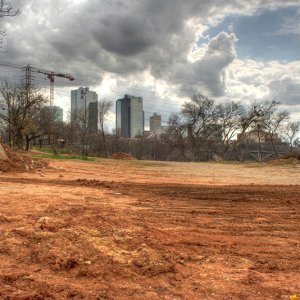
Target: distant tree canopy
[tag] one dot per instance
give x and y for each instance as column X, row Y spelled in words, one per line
column 203, row 130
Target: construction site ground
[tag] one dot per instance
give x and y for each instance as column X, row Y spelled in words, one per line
column 150, row 230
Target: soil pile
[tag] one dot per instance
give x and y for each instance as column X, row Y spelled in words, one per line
column 294, row 155
column 11, row 161
column 3, row 155
column 122, row 156
column 284, row 161
column 287, row 159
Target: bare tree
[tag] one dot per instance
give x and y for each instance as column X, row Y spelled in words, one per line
column 80, row 123
column 32, row 129
column 8, row 96
column 65, row 133
column 138, row 147
column 266, row 120
column 272, row 123
column 32, row 100
column 200, row 117
column 229, row 117
column 290, row 133
column 20, row 108
column 176, row 135
column 159, row 148
column 6, row 10
column 103, row 109
column 253, row 121
column 52, row 128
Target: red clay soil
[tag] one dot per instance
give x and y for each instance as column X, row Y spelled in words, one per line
column 284, row 161
column 69, row 235
column 122, row 156
column 291, row 158
column 295, row 155
column 18, row 162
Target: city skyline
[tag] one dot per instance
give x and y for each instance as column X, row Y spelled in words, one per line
column 245, row 52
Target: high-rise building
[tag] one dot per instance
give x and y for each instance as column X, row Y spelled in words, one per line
column 54, row 112
column 130, row 116
column 85, row 101
column 155, row 123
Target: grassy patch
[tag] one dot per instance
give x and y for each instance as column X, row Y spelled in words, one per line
column 65, row 157
column 43, row 149
column 46, row 152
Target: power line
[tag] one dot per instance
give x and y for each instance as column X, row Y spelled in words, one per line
column 160, row 105
column 98, row 77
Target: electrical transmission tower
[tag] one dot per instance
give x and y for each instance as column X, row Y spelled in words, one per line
column 28, row 79
column 50, row 75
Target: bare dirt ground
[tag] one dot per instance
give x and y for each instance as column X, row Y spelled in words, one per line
column 149, row 230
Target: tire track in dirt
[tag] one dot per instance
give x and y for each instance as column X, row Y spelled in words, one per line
column 171, row 241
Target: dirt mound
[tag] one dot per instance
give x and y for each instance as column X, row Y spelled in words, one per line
column 284, row 161
column 122, row 156
column 3, row 155
column 287, row 159
column 294, row 155
column 12, row 161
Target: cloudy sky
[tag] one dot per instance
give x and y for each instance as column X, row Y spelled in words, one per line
column 163, row 50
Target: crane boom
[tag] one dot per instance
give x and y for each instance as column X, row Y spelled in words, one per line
column 50, row 76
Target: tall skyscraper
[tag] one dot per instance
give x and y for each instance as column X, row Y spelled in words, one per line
column 130, row 116
column 155, row 123
column 85, row 101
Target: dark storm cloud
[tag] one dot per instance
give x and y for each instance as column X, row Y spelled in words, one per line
column 127, row 36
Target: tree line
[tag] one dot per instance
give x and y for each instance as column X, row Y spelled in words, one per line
column 203, row 130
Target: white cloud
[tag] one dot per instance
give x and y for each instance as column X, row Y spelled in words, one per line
column 291, row 25
column 143, row 42
column 207, row 73
column 250, row 81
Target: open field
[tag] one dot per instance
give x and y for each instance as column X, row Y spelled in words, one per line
column 150, row 230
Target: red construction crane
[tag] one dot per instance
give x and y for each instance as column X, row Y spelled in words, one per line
column 51, row 75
